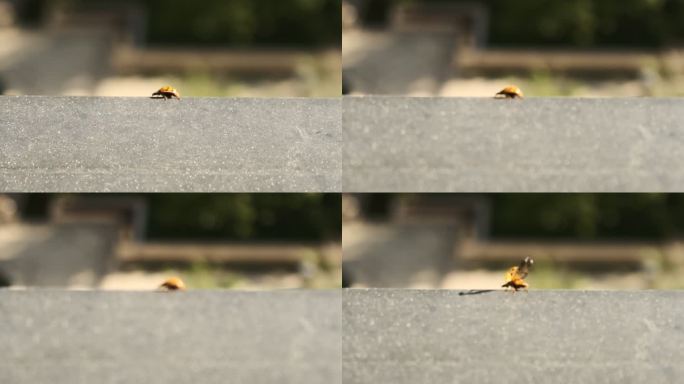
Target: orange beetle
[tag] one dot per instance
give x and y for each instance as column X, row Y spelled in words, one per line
column 515, row 275
column 510, row 92
column 166, row 92
column 173, row 284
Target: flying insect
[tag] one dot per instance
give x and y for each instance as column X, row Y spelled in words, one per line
column 515, row 276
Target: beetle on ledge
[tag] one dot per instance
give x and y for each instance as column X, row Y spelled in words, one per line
column 510, row 92
column 173, row 284
column 515, row 275
column 166, row 92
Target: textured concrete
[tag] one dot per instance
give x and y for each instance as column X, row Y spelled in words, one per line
column 398, row 144
column 163, row 337
column 82, row 144
column 403, row 336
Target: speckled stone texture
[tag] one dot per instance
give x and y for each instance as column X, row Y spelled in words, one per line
column 62, row 337
column 438, row 337
column 99, row 144
column 400, row 144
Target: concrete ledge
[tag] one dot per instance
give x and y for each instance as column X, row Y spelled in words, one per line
column 96, row 144
column 411, row 336
column 159, row 337
column 400, row 144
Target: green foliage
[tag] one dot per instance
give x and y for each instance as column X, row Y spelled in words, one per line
column 235, row 22
column 548, row 275
column 245, row 22
column 586, row 23
column 588, row 216
column 202, row 275
column 579, row 23
column 308, row 217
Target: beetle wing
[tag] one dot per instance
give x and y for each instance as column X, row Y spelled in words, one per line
column 524, row 267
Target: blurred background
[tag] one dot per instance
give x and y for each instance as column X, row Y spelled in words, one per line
column 547, row 47
column 133, row 47
column 468, row 241
column 136, row 241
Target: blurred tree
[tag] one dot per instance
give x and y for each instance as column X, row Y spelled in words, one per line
column 577, row 23
column 227, row 216
column 588, row 216
column 308, row 217
column 246, row 22
column 239, row 22
column 29, row 11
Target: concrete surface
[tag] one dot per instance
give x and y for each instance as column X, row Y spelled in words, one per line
column 398, row 144
column 83, row 144
column 170, row 337
column 404, row 336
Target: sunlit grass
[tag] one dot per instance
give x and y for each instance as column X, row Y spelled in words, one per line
column 313, row 77
column 203, row 275
column 314, row 273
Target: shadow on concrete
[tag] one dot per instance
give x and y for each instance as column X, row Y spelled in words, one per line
column 476, row 292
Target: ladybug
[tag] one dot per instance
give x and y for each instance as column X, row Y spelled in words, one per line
column 510, row 92
column 515, row 275
column 166, row 92
column 173, row 284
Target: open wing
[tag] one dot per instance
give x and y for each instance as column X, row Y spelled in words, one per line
column 524, row 268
